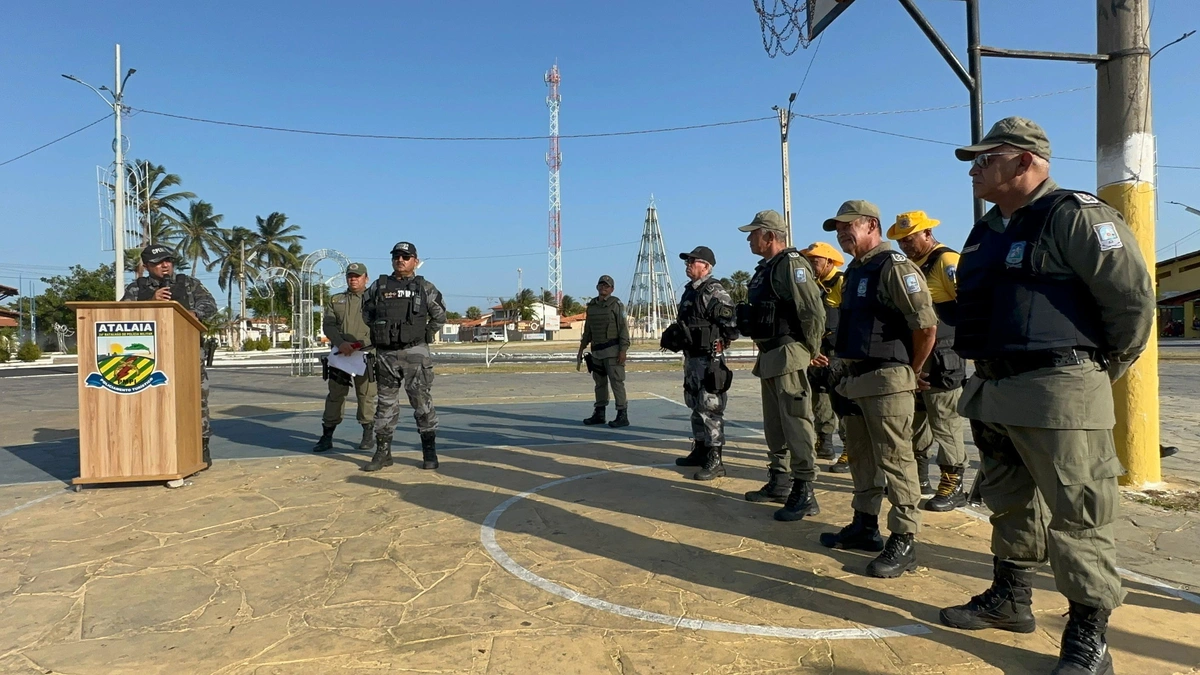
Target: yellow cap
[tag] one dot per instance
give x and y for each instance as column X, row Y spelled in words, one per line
column 822, row 250
column 910, row 222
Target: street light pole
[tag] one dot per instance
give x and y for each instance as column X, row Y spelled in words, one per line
column 785, row 120
column 118, row 93
column 119, row 190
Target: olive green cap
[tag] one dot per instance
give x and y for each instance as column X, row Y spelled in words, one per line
column 606, row 280
column 766, row 220
column 356, row 269
column 851, row 211
column 1015, row 131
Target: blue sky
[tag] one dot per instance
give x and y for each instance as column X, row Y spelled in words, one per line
column 475, row 68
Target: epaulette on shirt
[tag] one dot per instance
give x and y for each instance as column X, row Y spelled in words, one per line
column 1086, row 199
column 898, row 257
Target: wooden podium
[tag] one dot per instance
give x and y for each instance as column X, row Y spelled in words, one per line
column 139, row 391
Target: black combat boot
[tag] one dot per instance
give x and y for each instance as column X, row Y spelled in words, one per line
column 950, row 493
column 777, row 489
column 429, row 458
column 862, row 534
column 923, row 476
column 899, row 556
column 842, row 465
column 383, row 454
column 326, row 441
column 368, row 439
column 713, row 466
column 596, row 418
column 825, row 449
column 1007, row 604
column 622, row 419
column 800, row 503
column 205, row 455
column 695, row 457
column 1084, row 650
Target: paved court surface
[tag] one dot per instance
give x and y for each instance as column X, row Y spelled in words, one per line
column 539, row 546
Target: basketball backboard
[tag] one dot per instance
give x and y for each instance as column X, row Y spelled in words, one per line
column 821, row 13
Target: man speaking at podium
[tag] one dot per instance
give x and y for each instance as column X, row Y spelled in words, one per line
column 164, row 284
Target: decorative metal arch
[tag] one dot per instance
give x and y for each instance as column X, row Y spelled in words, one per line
column 304, row 339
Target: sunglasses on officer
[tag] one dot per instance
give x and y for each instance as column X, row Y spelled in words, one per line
column 402, row 256
column 984, row 158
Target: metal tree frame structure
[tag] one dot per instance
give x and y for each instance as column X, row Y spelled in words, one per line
column 651, row 306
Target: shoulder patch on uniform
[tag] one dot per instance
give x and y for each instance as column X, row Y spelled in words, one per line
column 1085, row 199
column 338, row 298
column 862, row 288
column 1016, row 253
column 912, row 284
column 898, row 257
column 1106, row 234
column 801, row 275
column 969, row 249
column 951, row 272
column 793, row 254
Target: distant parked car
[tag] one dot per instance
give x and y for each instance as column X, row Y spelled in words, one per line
column 489, row 336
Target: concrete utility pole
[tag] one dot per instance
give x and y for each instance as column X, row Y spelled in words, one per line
column 1125, row 174
column 785, row 120
column 242, row 297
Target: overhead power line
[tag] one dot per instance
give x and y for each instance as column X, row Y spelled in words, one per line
column 60, row 138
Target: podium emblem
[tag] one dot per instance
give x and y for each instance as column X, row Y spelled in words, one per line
column 125, row 357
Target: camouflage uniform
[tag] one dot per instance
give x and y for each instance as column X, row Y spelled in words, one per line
column 411, row 368
column 711, row 302
column 189, row 292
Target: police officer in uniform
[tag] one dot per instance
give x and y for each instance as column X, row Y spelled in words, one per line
column 163, row 284
column 404, row 312
column 344, row 326
column 945, row 369
column 607, row 330
column 705, row 325
column 1054, row 304
column 886, row 331
column 824, row 373
column 785, row 316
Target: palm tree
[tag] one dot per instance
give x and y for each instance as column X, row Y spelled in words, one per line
column 737, row 285
column 229, row 260
column 199, row 233
column 273, row 241
column 156, row 197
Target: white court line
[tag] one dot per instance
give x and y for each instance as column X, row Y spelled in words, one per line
column 29, row 503
column 487, row 536
column 729, row 422
column 1128, row 574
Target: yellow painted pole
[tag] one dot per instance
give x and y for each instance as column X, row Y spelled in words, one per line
column 1136, row 394
column 1125, row 172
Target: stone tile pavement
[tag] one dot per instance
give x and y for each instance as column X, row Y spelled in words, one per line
column 293, row 563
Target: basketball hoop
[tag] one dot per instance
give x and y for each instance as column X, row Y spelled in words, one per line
column 791, row 24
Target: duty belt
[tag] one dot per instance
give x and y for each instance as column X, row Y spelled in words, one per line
column 870, row 365
column 1018, row 363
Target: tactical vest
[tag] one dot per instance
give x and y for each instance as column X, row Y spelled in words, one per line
column 832, row 314
column 867, row 328
column 1006, row 305
column 181, row 290
column 401, row 312
column 947, row 312
column 601, row 323
column 702, row 332
column 772, row 314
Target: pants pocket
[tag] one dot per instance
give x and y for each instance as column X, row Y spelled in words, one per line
column 796, row 391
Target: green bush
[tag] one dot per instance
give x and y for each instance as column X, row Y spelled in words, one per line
column 29, row 352
column 4, row 355
column 250, row 345
column 264, row 343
